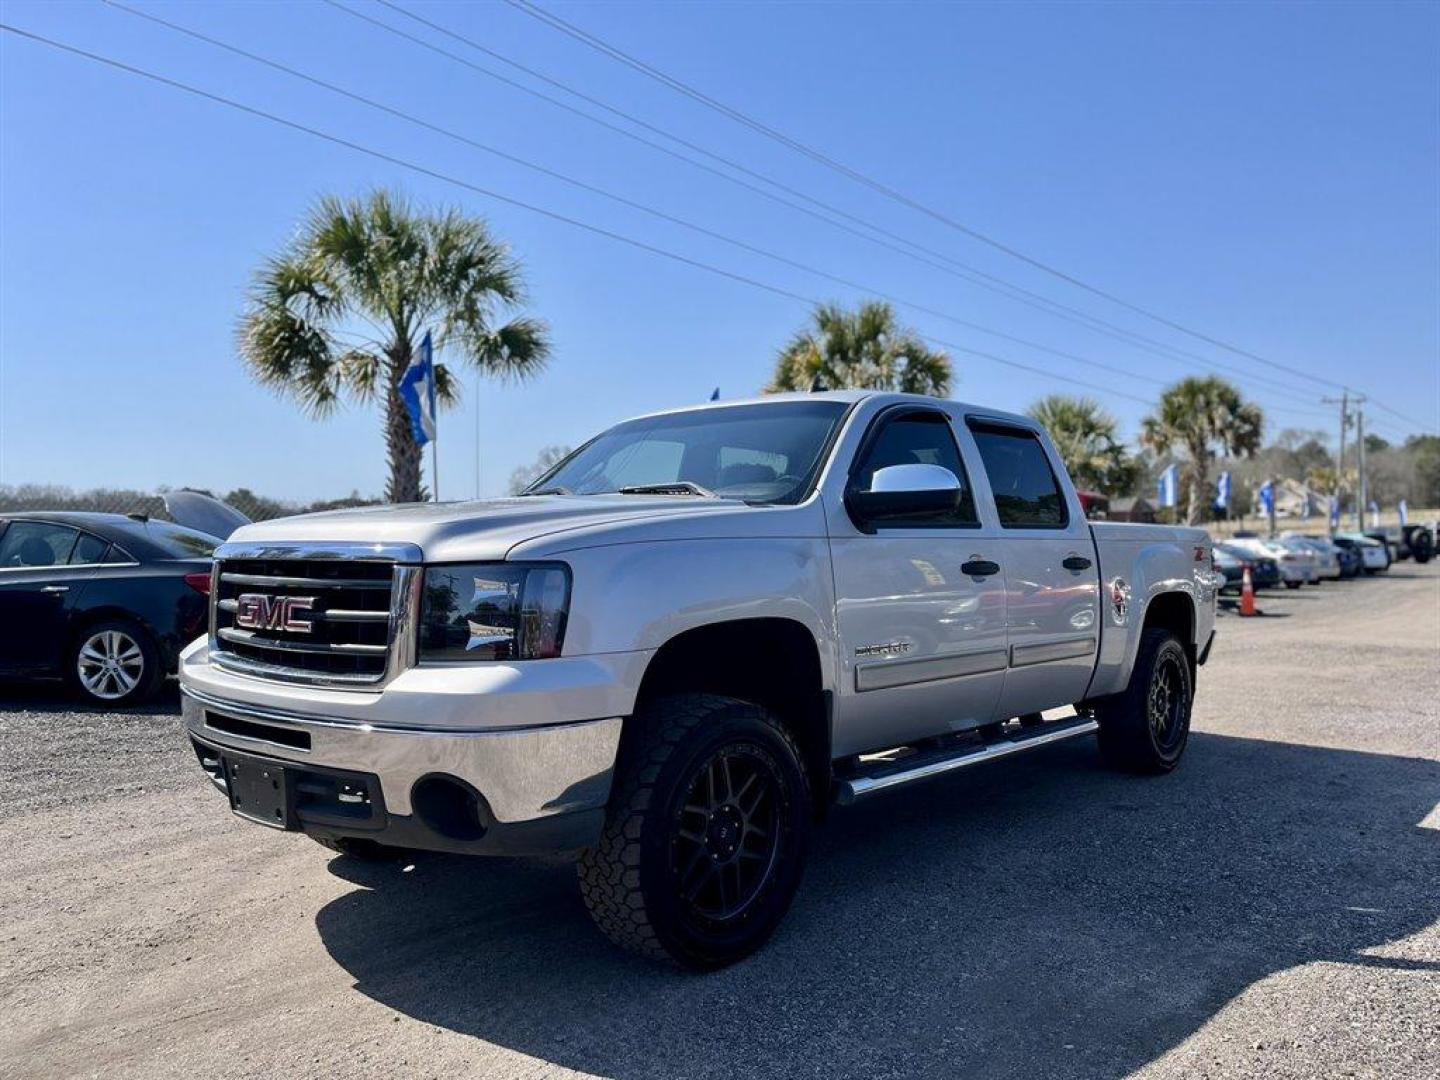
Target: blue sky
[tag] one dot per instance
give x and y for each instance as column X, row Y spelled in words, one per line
column 1266, row 174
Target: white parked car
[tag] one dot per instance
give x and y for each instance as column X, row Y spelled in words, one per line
column 1327, row 558
column 1374, row 555
column 1297, row 565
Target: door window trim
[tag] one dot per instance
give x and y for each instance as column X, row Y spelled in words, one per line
column 877, row 424
column 110, row 546
column 977, row 421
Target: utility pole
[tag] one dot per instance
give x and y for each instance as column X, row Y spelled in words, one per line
column 1362, row 500
column 1344, row 402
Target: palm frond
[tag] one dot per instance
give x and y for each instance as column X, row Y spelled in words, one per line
column 864, row 348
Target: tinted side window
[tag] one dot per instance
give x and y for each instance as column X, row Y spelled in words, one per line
column 919, row 439
column 88, row 549
column 1027, row 494
column 36, row 543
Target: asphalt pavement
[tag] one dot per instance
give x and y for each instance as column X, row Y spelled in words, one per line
column 1270, row 909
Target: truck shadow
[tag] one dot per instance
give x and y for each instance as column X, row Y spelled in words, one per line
column 1047, row 917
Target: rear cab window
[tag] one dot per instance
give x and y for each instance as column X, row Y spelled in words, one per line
column 1028, row 494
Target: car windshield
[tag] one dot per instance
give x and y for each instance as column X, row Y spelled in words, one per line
column 176, row 541
column 766, row 453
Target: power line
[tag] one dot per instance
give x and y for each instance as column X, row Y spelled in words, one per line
column 700, row 229
column 391, row 159
column 557, row 23
column 963, row 271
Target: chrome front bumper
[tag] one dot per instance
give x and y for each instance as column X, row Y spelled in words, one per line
column 522, row 774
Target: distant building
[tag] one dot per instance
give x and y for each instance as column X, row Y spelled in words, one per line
column 1095, row 505
column 1132, row 509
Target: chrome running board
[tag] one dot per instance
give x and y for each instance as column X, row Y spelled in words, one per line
column 886, row 773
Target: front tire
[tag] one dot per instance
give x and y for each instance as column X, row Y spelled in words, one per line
column 115, row 663
column 706, row 836
column 1145, row 727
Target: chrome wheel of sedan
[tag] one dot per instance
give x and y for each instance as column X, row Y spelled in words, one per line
column 110, row 664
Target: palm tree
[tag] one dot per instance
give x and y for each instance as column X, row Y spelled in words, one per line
column 865, row 348
column 1084, row 433
column 1196, row 414
column 376, row 264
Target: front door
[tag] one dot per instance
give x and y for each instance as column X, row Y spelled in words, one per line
column 922, row 643
column 1052, row 583
column 37, row 591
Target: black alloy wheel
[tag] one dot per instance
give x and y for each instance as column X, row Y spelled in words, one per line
column 725, row 835
column 1167, row 705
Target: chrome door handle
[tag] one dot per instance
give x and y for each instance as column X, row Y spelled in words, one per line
column 55, row 588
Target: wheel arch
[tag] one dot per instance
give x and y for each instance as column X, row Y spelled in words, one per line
column 771, row 661
column 1174, row 611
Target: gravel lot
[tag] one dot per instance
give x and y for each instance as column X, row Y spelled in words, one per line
column 1272, row 909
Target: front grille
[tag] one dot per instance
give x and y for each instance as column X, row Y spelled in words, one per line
column 349, row 608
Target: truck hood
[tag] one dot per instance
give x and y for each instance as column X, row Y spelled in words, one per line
column 483, row 529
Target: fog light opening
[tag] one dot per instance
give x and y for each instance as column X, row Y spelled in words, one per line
column 449, row 807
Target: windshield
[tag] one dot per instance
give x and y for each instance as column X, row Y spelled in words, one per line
column 759, row 453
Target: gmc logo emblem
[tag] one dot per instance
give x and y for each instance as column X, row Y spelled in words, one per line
column 256, row 611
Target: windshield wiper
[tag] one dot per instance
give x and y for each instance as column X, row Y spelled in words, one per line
column 556, row 490
column 675, row 487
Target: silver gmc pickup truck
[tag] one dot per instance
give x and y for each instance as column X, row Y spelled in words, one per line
column 685, row 641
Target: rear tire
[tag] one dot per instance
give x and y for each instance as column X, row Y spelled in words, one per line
column 706, row 836
column 1145, row 728
column 1293, row 584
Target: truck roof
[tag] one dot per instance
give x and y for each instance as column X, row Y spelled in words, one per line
column 849, row 397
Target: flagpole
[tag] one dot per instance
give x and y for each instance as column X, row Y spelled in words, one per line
column 435, row 463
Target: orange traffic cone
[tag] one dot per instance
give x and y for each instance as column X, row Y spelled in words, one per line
column 1247, row 594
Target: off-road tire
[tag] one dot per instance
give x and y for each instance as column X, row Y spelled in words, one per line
column 1131, row 734
column 630, row 881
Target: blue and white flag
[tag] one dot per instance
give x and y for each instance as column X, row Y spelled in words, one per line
column 1168, row 490
column 417, row 390
column 1222, row 492
column 1374, row 515
column 1267, row 498
column 1404, row 513
column 1334, row 511
column 1309, row 509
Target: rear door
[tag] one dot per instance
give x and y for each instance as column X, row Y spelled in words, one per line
column 922, row 643
column 1052, row 582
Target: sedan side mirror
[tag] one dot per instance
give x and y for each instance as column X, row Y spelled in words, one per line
column 901, row 491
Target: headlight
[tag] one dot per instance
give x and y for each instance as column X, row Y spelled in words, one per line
column 494, row 611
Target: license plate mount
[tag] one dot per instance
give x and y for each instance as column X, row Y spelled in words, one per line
column 259, row 791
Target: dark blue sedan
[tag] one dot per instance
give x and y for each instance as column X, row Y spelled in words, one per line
column 105, row 601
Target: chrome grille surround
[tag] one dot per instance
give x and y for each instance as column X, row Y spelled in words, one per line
column 367, row 606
